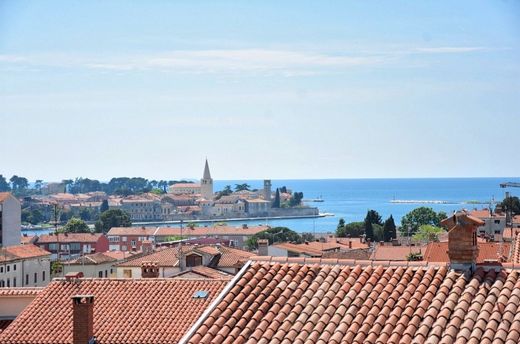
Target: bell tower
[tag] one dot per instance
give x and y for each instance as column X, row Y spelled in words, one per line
column 206, row 183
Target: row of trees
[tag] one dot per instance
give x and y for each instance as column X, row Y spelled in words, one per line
column 422, row 223
column 116, row 186
column 294, row 201
column 278, row 234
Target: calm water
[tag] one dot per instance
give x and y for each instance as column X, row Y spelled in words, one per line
column 351, row 198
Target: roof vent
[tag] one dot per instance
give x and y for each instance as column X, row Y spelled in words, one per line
column 200, row 294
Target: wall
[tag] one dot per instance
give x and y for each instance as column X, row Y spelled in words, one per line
column 11, row 221
column 12, row 306
column 91, row 270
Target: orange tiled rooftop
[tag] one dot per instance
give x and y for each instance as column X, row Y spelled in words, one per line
column 303, row 303
column 125, row 310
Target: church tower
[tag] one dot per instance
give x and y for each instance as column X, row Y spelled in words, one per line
column 206, row 184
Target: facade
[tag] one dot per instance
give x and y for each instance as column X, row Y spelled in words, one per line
column 494, row 224
column 131, row 238
column 97, row 265
column 10, row 220
column 24, row 266
column 206, row 183
column 72, row 245
column 184, row 189
column 142, row 209
column 257, row 207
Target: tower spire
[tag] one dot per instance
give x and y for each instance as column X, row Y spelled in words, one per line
column 206, row 174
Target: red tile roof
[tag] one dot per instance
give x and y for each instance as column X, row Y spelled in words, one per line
column 298, row 303
column 25, row 251
column 187, row 232
column 389, row 252
column 69, row 237
column 438, row 252
column 4, row 196
column 203, row 272
column 19, row 291
column 125, row 310
column 165, row 257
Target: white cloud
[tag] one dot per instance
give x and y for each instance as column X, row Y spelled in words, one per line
column 450, row 50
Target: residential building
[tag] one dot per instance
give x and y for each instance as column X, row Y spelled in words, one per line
column 72, row 245
column 257, row 207
column 13, row 301
column 131, row 238
column 307, row 249
column 24, row 266
column 171, row 260
column 142, row 209
column 100, row 265
column 150, row 311
column 10, row 219
column 494, row 223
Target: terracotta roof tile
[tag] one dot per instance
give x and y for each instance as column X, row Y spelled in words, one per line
column 280, row 302
column 69, row 237
column 125, row 310
column 25, row 251
column 438, row 251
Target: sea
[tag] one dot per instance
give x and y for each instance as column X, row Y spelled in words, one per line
column 350, row 199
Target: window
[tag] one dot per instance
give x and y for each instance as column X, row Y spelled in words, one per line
column 14, row 267
column 43, row 275
column 8, row 283
column 124, row 248
column 26, row 279
column 35, row 277
column 53, row 247
column 8, row 268
column 133, row 243
column 65, row 247
column 497, row 222
column 14, row 281
column 2, row 283
column 75, row 246
column 106, row 273
column 193, row 260
column 100, row 274
column 127, row 273
column 124, row 238
column 1, row 269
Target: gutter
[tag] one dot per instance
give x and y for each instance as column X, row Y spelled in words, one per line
column 214, row 304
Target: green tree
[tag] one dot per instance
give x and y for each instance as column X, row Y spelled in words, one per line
column 389, row 229
column 242, row 187
column 19, row 184
column 428, row 233
column 104, row 206
column 308, row 237
column 379, row 232
column 276, row 202
column 75, row 225
column 112, row 218
column 418, row 217
column 340, row 229
column 296, row 199
column 274, row 235
column 4, row 185
column 511, row 204
column 373, row 217
column 38, row 185
column 32, row 216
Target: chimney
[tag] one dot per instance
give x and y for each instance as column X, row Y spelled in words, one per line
column 149, row 270
column 83, row 319
column 462, row 240
column 244, row 226
column 263, row 245
column 147, row 246
column 350, row 244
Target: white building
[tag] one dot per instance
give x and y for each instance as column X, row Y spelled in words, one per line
column 184, row 189
column 494, row 224
column 24, row 266
column 10, row 220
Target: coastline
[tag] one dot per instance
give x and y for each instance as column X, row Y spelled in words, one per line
column 236, row 219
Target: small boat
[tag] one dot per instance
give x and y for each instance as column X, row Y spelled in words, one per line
column 319, row 199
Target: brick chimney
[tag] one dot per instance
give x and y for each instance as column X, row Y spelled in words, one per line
column 147, row 246
column 462, row 240
column 149, row 270
column 82, row 319
column 263, row 245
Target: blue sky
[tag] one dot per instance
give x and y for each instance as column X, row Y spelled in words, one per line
column 293, row 89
